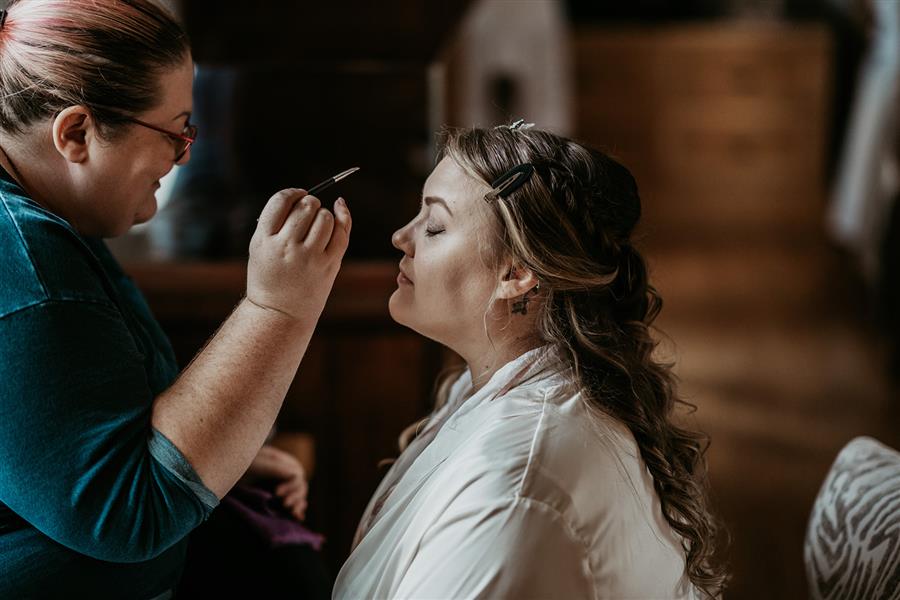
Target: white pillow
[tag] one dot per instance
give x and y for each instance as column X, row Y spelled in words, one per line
column 852, row 547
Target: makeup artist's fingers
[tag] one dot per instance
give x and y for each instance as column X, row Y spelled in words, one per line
column 277, row 209
column 340, row 236
column 274, row 463
column 287, row 272
column 293, row 495
column 298, row 222
column 294, row 500
column 320, row 231
column 300, row 512
column 294, row 485
column 297, row 509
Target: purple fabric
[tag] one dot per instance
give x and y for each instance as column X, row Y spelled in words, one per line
column 264, row 513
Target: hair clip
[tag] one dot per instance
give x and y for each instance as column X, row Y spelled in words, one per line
column 3, row 14
column 510, row 181
column 516, row 125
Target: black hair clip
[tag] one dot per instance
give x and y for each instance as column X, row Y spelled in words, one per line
column 516, row 125
column 3, row 14
column 510, row 181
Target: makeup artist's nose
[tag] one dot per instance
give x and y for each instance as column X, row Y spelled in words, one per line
column 402, row 240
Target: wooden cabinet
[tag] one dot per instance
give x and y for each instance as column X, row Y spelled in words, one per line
column 723, row 125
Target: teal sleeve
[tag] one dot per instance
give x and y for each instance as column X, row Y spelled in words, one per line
column 79, row 458
column 168, row 455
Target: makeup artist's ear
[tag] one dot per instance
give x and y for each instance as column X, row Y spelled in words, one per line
column 516, row 282
column 73, row 131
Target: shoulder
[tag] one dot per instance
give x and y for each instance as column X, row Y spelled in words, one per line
column 544, row 442
column 511, row 441
column 45, row 259
column 542, row 427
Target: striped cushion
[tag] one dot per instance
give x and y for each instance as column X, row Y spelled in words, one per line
column 852, row 547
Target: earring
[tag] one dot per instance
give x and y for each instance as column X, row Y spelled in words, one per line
column 520, row 306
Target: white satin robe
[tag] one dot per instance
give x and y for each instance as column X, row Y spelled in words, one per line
column 517, row 492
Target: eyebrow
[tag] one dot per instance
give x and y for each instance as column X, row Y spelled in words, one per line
column 429, row 200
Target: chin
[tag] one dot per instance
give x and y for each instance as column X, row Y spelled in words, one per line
column 141, row 219
column 147, row 214
column 394, row 308
column 403, row 314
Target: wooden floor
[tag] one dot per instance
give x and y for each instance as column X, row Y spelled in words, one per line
column 772, row 344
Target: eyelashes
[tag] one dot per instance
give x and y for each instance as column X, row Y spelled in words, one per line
column 432, row 231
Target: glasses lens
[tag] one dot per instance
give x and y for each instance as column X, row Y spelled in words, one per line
column 181, row 147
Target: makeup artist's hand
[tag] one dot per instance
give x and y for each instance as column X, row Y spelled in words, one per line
column 289, row 477
column 295, row 254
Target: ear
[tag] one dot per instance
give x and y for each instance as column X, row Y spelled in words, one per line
column 73, row 129
column 516, row 282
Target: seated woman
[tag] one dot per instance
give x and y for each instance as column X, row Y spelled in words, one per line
column 551, row 466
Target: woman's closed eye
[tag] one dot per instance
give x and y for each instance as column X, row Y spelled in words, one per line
column 433, row 230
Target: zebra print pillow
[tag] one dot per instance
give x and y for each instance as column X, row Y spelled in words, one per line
column 852, row 547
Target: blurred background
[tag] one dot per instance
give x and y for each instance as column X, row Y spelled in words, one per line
column 762, row 133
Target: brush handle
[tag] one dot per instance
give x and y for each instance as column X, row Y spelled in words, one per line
column 321, row 186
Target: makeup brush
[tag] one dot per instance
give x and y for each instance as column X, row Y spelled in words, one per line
column 331, row 181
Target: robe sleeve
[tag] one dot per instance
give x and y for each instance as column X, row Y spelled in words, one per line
column 516, row 548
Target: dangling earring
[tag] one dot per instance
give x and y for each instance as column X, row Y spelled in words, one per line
column 520, row 306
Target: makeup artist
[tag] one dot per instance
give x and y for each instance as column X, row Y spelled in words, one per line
column 108, row 456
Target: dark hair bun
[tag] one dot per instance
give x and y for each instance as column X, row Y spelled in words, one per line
column 616, row 202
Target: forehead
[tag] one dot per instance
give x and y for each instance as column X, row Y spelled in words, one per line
column 176, row 88
column 456, row 186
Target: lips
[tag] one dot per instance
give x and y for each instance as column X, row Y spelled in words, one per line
column 403, row 277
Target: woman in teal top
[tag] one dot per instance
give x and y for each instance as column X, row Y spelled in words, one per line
column 110, row 456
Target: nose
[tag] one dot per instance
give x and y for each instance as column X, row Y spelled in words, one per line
column 403, row 241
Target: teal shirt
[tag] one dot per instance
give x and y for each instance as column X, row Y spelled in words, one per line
column 94, row 502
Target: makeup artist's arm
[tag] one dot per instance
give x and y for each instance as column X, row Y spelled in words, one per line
column 221, row 408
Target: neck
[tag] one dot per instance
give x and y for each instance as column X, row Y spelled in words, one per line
column 488, row 358
column 10, row 167
column 498, row 338
column 32, row 171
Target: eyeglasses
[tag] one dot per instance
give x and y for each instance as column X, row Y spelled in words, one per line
column 181, row 141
